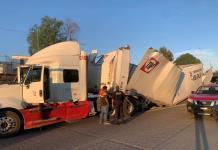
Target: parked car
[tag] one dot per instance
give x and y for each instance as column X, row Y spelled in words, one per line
column 204, row 101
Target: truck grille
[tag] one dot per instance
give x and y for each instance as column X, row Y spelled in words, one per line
column 204, row 103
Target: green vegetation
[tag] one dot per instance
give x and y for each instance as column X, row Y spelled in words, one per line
column 186, row 59
column 167, row 53
column 49, row 32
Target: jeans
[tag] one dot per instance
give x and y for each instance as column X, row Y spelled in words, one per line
column 119, row 113
column 103, row 114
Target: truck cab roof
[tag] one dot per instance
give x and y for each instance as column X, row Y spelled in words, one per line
column 59, row 54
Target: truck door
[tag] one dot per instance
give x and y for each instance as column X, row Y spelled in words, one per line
column 33, row 85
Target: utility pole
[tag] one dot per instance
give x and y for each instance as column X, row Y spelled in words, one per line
column 37, row 34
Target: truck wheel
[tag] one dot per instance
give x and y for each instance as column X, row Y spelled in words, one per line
column 129, row 107
column 10, row 123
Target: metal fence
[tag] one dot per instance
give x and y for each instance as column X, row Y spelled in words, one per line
column 8, row 71
column 8, row 67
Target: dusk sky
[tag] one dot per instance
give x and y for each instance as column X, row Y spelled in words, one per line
column 182, row 26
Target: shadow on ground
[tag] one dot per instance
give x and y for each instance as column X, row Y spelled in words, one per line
column 201, row 141
column 28, row 134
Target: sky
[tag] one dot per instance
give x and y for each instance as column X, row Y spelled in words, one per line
column 181, row 26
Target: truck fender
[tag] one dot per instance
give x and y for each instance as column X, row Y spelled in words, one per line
column 12, row 103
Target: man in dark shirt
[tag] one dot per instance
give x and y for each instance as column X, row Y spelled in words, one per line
column 117, row 101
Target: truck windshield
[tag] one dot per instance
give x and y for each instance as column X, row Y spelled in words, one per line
column 208, row 90
column 30, row 74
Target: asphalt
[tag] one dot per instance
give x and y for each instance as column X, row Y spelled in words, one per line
column 158, row 129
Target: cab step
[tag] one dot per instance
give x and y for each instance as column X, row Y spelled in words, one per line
column 44, row 122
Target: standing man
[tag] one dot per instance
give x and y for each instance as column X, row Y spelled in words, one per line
column 117, row 101
column 104, row 105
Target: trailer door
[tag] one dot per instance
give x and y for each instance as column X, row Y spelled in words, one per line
column 33, row 86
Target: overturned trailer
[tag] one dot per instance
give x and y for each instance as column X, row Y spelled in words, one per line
column 191, row 81
column 207, row 76
column 156, row 78
column 162, row 82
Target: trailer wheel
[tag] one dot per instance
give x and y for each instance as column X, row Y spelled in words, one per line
column 129, row 107
column 10, row 123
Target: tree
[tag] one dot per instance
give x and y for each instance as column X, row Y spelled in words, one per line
column 186, row 59
column 70, row 29
column 49, row 32
column 167, row 53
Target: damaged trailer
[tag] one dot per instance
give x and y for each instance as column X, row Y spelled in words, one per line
column 207, row 76
column 155, row 74
column 191, row 82
column 162, row 82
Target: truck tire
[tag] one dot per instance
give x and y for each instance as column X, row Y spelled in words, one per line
column 145, row 103
column 10, row 123
column 129, row 108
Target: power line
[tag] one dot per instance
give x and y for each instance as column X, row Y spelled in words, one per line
column 12, row 30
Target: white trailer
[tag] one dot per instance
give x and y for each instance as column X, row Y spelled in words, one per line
column 155, row 74
column 110, row 69
column 207, row 76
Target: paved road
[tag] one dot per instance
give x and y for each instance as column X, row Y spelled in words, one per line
column 166, row 129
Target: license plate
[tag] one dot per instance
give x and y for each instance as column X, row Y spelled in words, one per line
column 204, row 108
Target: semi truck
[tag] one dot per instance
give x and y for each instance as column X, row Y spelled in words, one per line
column 52, row 86
column 55, row 83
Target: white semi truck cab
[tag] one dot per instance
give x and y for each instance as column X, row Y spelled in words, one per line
column 55, row 77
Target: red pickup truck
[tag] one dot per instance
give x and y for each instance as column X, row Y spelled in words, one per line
column 204, row 101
